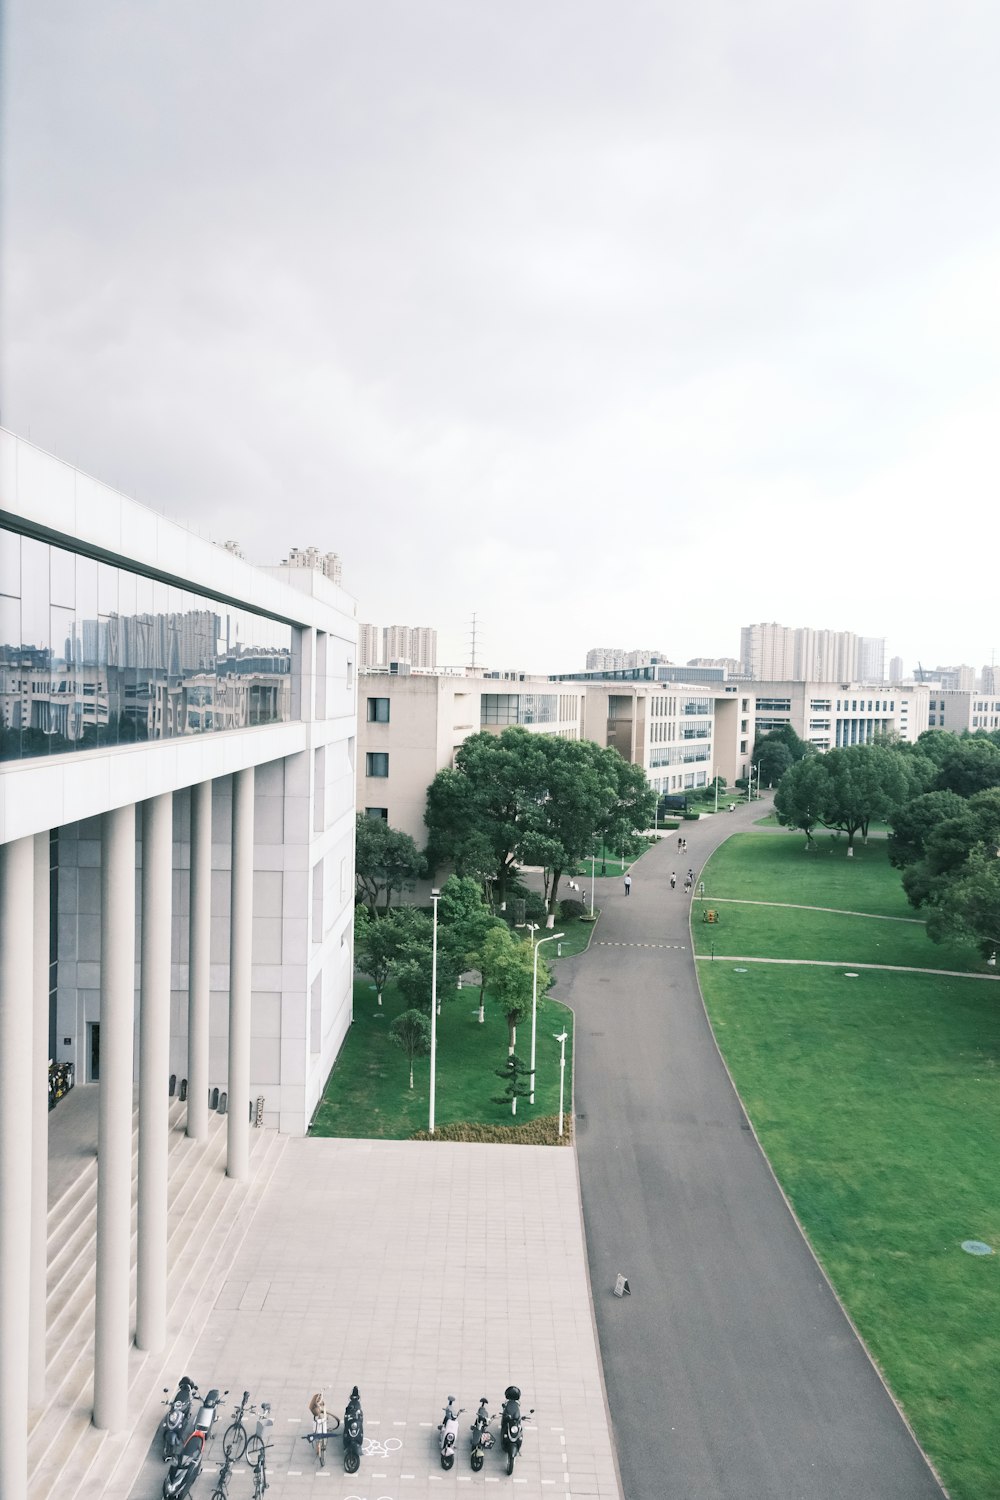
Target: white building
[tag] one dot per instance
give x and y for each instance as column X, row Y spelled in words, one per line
column 327, row 563
column 176, row 871
column 775, row 653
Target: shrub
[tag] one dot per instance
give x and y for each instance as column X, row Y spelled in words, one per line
column 691, row 817
column 571, row 908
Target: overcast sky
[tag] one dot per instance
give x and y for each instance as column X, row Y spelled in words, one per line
column 616, row 323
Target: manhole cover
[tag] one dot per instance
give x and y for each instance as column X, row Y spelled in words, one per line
column 850, row 976
column 976, row 1247
column 739, row 971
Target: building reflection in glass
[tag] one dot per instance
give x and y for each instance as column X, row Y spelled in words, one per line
column 93, row 655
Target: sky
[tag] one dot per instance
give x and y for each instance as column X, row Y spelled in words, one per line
column 616, row 324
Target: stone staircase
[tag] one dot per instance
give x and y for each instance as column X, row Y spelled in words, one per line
column 208, row 1219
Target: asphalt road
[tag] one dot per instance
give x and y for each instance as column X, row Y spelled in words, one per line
column 731, row 1371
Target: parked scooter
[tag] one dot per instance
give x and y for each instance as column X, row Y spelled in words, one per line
column 511, row 1425
column 448, row 1428
column 354, row 1433
column 175, row 1423
column 482, row 1437
column 187, row 1465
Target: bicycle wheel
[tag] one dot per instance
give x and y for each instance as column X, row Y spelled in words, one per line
column 255, row 1446
column 234, row 1443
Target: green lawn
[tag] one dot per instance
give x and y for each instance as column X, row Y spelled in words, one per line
column 784, row 932
column 368, row 1092
column 759, row 867
column 877, row 1100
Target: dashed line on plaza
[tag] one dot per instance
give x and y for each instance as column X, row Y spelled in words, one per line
column 610, row 943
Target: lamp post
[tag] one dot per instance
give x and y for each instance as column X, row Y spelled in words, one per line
column 561, row 1039
column 435, row 898
column 534, row 1004
column 593, row 874
column 715, row 778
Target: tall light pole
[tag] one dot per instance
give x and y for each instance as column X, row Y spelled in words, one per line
column 534, row 1004
column 561, row 1039
column 435, row 898
column 715, row 778
column 593, row 875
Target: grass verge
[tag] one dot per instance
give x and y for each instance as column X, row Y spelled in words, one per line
column 368, row 1093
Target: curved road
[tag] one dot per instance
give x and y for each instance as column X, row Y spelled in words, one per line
column 731, row 1371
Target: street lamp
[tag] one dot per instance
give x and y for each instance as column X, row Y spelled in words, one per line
column 435, row 898
column 593, row 875
column 561, row 1039
column 534, row 1004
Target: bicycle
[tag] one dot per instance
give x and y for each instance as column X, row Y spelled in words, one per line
column 260, row 1471
column 221, row 1491
column 317, row 1440
column 234, row 1443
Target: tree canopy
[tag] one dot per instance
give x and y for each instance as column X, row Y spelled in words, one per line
column 520, row 798
column 385, row 860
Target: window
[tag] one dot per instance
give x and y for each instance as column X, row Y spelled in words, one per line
column 376, row 763
column 377, row 812
column 378, row 710
column 774, row 705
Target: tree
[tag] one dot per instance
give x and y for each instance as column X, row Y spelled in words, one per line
column 488, row 806
column 785, row 735
column 916, row 821
column 468, row 921
column 516, row 1073
column 386, row 860
column 508, row 970
column 590, row 792
column 865, row 782
column 971, row 764
column 415, row 970
column 411, row 1032
column 949, row 847
column 803, row 795
column 380, row 943
column 774, row 759
column 969, row 906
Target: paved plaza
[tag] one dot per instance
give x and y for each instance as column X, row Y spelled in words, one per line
column 416, row 1271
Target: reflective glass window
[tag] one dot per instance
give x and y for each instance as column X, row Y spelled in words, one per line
column 93, row 655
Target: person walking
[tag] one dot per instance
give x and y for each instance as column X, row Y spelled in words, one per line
column 673, row 880
column 628, row 884
column 680, row 845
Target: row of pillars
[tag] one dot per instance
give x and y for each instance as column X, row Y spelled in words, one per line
column 24, row 1031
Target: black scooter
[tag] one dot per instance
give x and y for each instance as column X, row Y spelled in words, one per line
column 482, row 1437
column 188, row 1464
column 511, row 1425
column 177, row 1418
column 354, row 1433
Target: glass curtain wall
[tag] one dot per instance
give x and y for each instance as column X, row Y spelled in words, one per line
column 94, row 655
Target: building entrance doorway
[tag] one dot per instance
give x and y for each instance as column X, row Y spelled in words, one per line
column 93, row 1051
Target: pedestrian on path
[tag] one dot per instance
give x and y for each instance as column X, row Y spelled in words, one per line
column 628, row 885
column 690, row 876
column 680, row 845
column 687, row 884
column 673, row 880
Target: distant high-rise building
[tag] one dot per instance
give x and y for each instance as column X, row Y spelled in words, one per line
column 896, row 669
column 369, row 646
column 773, row 652
column 416, row 644
column 327, row 563
column 605, row 659
column 960, row 679
column 871, row 659
column 989, row 681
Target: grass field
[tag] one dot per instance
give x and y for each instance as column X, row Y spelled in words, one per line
column 877, row 1100
column 368, row 1092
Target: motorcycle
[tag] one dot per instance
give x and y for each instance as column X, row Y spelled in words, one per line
column 178, row 1414
column 354, row 1433
column 482, row 1437
column 187, row 1465
column 448, row 1428
column 511, row 1425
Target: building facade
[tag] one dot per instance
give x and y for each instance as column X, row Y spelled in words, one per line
column 177, row 770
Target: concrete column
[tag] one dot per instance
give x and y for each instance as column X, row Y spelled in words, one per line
column 16, row 956
column 39, row 1120
column 199, row 940
column 114, row 1119
column 240, row 943
column 154, row 1073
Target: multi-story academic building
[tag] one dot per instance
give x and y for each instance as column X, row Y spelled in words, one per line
column 177, row 772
